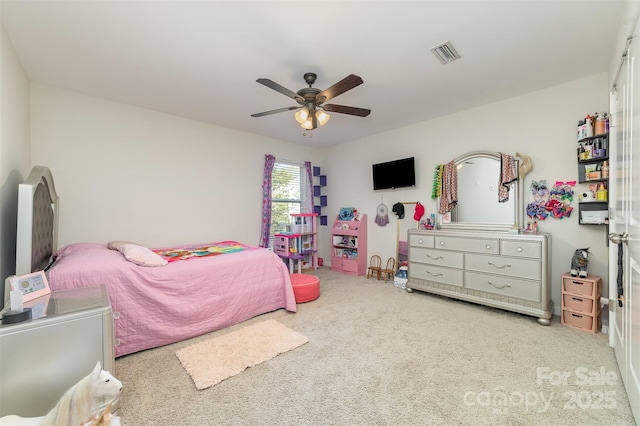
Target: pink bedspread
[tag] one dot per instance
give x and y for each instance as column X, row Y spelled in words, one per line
column 155, row 306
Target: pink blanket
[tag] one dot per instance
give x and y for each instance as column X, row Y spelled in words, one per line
column 155, row 306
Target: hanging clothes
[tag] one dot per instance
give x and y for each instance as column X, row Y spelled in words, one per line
column 508, row 175
column 449, row 192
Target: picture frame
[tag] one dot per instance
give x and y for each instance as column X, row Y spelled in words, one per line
column 32, row 285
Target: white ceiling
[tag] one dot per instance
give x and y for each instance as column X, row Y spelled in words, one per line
column 201, row 59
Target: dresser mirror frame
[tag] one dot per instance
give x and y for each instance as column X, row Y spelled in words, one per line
column 516, row 219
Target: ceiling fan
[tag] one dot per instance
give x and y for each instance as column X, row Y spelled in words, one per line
column 312, row 109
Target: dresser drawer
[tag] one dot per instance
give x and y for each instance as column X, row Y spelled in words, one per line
column 421, row 240
column 510, row 287
column 579, row 304
column 532, row 249
column 514, row 267
column 480, row 245
column 591, row 286
column 592, row 323
column 452, row 259
column 435, row 273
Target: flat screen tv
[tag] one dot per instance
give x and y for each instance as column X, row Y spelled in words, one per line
column 394, row 174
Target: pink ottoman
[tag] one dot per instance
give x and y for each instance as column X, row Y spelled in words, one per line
column 305, row 287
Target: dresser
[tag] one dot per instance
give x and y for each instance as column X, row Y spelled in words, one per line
column 501, row 270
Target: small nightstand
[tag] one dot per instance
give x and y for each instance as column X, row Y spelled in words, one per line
column 41, row 358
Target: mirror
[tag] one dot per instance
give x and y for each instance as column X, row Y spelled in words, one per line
column 478, row 207
column 404, row 225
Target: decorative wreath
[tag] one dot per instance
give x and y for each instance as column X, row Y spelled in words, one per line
column 382, row 215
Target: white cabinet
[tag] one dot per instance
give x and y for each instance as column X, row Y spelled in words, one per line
column 507, row 271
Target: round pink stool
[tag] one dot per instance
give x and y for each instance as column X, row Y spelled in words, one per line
column 305, row 287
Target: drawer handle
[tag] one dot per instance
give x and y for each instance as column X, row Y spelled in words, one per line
column 441, row 243
column 576, row 299
column 488, row 247
column 508, row 265
column 499, row 287
column 576, row 315
column 435, row 275
column 420, row 241
column 435, row 258
column 519, row 249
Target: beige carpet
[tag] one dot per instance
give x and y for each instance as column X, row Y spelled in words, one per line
column 210, row 362
column 379, row 356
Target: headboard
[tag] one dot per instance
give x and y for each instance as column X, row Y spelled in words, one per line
column 37, row 232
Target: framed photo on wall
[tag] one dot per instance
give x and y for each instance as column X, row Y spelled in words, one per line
column 31, row 285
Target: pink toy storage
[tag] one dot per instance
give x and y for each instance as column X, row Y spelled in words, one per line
column 349, row 246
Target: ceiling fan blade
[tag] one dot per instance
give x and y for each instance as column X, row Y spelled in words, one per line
column 360, row 112
column 347, row 83
column 278, row 88
column 274, row 111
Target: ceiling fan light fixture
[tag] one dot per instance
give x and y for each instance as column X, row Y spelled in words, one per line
column 322, row 117
column 310, row 112
column 307, row 124
column 302, row 115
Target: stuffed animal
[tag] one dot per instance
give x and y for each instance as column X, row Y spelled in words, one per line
column 579, row 263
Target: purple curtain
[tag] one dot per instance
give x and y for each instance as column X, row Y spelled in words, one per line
column 269, row 161
column 309, row 207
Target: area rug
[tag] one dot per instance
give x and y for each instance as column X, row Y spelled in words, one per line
column 211, row 361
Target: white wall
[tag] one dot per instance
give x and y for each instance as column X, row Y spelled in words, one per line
column 128, row 173
column 15, row 150
column 541, row 124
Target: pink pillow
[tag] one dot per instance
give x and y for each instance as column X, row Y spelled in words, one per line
column 141, row 255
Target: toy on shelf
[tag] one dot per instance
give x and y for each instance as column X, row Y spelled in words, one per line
column 579, row 263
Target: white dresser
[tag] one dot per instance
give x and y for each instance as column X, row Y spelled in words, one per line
column 507, row 271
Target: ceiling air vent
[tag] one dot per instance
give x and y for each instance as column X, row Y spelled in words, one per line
column 445, row 52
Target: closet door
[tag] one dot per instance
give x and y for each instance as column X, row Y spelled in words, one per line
column 624, row 247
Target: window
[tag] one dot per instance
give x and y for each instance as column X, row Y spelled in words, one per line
column 288, row 195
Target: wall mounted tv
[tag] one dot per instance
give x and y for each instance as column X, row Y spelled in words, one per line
column 394, row 174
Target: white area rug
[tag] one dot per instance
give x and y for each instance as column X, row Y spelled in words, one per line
column 211, row 361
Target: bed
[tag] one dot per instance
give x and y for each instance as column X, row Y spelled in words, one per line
column 152, row 305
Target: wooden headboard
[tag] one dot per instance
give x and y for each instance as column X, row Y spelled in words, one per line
column 37, row 232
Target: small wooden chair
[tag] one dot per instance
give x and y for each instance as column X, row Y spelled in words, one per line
column 389, row 270
column 374, row 266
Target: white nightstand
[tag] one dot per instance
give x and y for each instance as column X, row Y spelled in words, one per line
column 41, row 358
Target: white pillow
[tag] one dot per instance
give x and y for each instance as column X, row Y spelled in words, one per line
column 141, row 255
column 113, row 245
